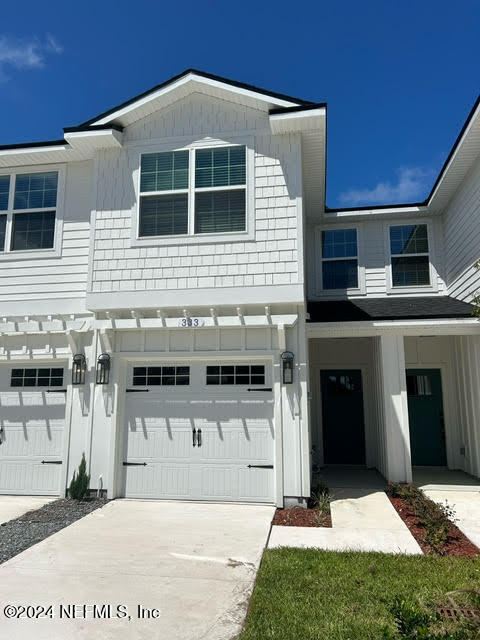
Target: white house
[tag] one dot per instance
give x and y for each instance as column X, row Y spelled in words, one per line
column 178, row 303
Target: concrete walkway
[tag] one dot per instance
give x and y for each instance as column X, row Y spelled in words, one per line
column 12, row 507
column 466, row 505
column 195, row 563
column 362, row 520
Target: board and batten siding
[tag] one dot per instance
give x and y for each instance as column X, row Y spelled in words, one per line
column 272, row 257
column 373, row 258
column 57, row 277
column 462, row 238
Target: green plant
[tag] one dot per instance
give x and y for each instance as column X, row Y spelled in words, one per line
column 78, row 489
column 320, row 500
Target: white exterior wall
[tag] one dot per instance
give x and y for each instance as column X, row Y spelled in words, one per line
column 374, row 259
column 274, row 255
column 54, row 284
column 462, row 238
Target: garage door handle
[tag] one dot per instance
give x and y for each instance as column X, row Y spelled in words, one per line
column 2, row 435
column 260, row 466
column 51, row 462
column 137, row 390
column 134, row 464
column 199, row 438
column 56, row 391
column 266, row 389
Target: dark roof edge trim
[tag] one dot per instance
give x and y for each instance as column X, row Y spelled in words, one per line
column 28, row 145
column 95, row 127
column 203, row 74
column 425, row 202
column 302, row 107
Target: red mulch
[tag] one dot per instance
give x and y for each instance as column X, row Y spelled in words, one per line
column 457, row 545
column 299, row 517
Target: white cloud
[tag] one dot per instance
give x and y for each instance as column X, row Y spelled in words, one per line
column 412, row 184
column 25, row 54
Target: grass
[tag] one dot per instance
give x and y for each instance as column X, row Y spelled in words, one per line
column 306, row 594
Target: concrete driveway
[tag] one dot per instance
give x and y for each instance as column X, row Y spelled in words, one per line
column 194, row 563
column 14, row 506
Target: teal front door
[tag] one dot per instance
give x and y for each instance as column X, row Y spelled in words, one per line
column 342, row 416
column 425, row 415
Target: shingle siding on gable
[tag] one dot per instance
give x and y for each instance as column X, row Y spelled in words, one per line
column 270, row 258
column 462, row 238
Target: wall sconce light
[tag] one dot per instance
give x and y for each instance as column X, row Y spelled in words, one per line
column 79, row 366
column 287, row 367
column 103, row 368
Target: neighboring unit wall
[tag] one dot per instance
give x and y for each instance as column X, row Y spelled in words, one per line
column 374, row 258
column 462, row 238
column 54, row 284
column 272, row 257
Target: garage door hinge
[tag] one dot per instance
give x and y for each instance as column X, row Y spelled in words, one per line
column 260, row 466
column 137, row 390
column 51, row 462
column 134, row 464
column 266, row 389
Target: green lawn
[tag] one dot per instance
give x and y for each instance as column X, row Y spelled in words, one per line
column 321, row 595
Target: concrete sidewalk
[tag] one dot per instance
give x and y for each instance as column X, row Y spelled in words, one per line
column 362, row 520
column 194, row 562
column 466, row 505
column 12, row 507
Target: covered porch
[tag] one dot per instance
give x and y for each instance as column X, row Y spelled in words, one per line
column 401, row 396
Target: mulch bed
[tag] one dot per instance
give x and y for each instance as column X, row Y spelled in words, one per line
column 457, row 545
column 299, row 517
column 34, row 526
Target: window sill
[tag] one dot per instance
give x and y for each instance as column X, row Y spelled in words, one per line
column 422, row 288
column 200, row 238
column 29, row 254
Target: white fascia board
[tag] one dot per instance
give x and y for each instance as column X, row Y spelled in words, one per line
column 95, row 139
column 297, row 120
column 386, row 211
column 445, row 326
column 191, row 77
column 18, row 151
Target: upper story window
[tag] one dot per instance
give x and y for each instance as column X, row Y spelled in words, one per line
column 29, row 201
column 193, row 192
column 339, row 259
column 410, row 255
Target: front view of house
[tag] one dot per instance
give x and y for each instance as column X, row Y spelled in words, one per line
column 178, row 303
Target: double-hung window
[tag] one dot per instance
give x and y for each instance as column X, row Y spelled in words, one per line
column 28, row 203
column 339, row 259
column 410, row 255
column 190, row 192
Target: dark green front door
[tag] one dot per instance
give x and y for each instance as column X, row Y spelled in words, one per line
column 425, row 415
column 342, row 416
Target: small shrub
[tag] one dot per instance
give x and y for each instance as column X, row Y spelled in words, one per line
column 320, row 500
column 78, row 489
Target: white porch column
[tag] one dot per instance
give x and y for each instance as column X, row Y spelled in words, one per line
column 393, row 400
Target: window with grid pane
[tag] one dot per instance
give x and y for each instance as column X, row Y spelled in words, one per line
column 36, row 190
column 410, row 255
column 220, row 190
column 164, row 214
column 43, row 377
column 235, row 374
column 161, row 376
column 4, row 191
column 33, row 231
column 339, row 259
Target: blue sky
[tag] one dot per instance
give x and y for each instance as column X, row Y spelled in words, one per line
column 399, row 76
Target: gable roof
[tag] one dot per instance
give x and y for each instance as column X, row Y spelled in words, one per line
column 277, row 99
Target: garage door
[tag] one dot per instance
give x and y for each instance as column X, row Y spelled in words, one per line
column 200, row 432
column 32, row 420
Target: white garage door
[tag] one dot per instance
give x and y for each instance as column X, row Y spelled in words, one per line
column 200, row 432
column 32, row 420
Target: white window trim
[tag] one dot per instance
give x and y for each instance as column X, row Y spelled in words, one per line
column 336, row 293
column 191, row 237
column 429, row 288
column 34, row 254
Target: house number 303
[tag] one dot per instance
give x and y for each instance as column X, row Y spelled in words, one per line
column 191, row 322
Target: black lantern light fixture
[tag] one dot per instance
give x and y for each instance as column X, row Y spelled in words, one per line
column 287, row 367
column 103, row 368
column 79, row 366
